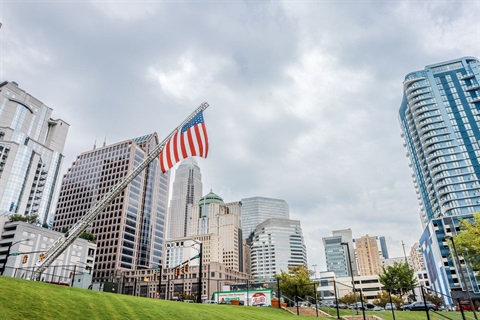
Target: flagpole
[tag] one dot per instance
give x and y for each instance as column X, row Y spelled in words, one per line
column 81, row 225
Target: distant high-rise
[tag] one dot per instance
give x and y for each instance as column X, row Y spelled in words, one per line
column 186, row 191
column 336, row 254
column 368, row 256
column 440, row 121
column 130, row 231
column 277, row 245
column 383, row 247
column 31, row 146
column 217, row 225
column 255, row 210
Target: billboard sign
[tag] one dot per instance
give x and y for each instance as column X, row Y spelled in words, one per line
column 255, row 297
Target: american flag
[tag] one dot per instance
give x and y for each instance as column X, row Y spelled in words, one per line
column 190, row 140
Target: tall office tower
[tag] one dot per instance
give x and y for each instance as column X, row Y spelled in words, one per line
column 130, row 231
column 255, row 210
column 277, row 245
column 336, row 253
column 31, row 146
column 186, row 191
column 216, row 225
column 439, row 117
column 368, row 256
column 383, row 247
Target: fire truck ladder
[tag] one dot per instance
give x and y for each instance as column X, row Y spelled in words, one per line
column 72, row 234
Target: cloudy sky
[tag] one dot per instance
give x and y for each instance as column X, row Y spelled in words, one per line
column 304, row 95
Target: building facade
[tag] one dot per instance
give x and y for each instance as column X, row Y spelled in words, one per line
column 368, row 255
column 439, row 117
column 30, row 241
column 130, row 232
column 336, row 254
column 277, row 245
column 255, row 210
column 217, row 225
column 186, row 191
column 31, row 147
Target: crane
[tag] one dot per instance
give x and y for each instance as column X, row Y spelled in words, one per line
column 62, row 243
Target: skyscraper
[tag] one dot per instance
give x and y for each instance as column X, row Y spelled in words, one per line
column 216, row 224
column 255, row 210
column 368, row 255
column 130, row 231
column 277, row 245
column 31, row 146
column 439, row 117
column 336, row 253
column 186, row 191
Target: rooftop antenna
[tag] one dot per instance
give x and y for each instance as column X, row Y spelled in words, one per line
column 95, row 143
column 104, row 141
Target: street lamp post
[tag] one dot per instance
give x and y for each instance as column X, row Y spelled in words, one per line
column 462, row 276
column 351, row 269
column 200, row 266
column 8, row 253
column 314, row 271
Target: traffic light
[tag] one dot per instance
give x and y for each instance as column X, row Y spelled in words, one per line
column 177, row 272
column 155, row 277
column 25, row 258
column 41, row 257
column 185, row 269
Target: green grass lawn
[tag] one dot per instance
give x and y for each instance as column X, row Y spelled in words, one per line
column 26, row 300
column 403, row 315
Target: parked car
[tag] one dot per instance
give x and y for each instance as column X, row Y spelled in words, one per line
column 358, row 306
column 340, row 306
column 209, row 302
column 420, row 306
column 390, row 306
column 466, row 306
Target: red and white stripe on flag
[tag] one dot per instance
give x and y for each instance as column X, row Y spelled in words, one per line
column 190, row 140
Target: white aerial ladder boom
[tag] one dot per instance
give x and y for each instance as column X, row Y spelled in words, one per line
column 72, row 234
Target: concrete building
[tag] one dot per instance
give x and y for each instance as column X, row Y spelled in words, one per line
column 277, row 245
column 22, row 245
column 31, row 147
column 336, row 254
column 255, row 210
column 217, row 225
column 369, row 285
column 440, row 122
column 368, row 255
column 130, row 231
column 187, row 189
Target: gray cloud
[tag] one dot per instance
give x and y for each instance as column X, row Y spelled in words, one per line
column 304, row 95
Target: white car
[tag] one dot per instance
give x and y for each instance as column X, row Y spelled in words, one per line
column 209, row 302
column 390, row 306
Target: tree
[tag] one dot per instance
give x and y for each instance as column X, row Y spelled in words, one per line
column 295, row 281
column 33, row 219
column 383, row 298
column 349, row 298
column 433, row 298
column 87, row 236
column 467, row 241
column 398, row 279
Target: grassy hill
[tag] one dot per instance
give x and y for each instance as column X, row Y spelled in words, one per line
column 23, row 299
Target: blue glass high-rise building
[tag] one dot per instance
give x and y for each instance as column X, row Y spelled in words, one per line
column 440, row 117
